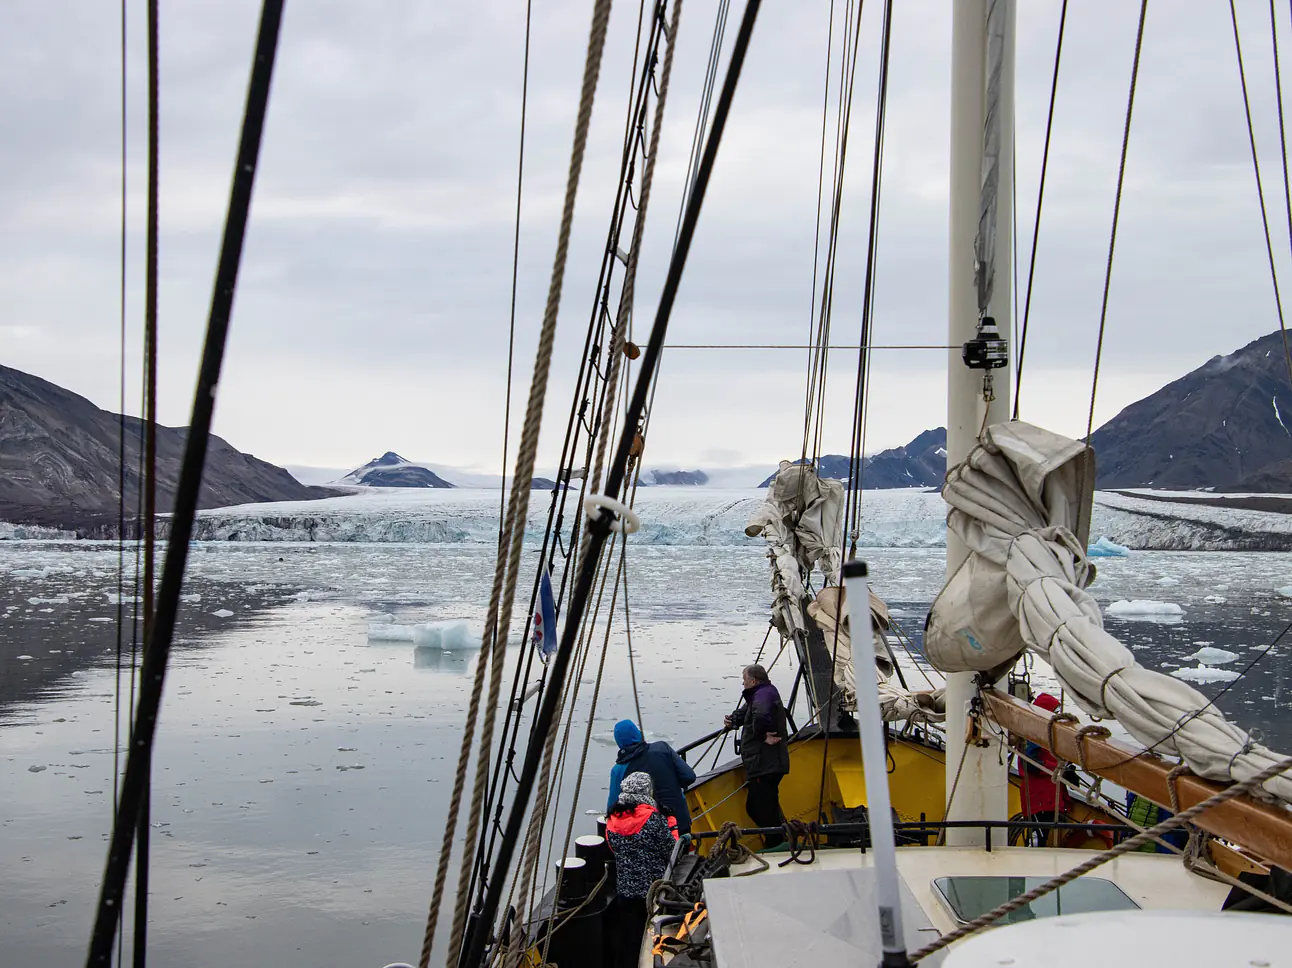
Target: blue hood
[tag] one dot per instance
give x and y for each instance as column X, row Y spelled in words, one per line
column 627, row 733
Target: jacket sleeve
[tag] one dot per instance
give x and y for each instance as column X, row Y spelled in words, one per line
column 685, row 775
column 738, row 716
column 616, row 778
column 762, row 707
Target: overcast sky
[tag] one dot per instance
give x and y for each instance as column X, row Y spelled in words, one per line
column 372, row 308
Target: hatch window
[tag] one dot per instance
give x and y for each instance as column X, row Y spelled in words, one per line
column 970, row 897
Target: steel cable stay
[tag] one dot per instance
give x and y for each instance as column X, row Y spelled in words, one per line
column 584, row 390
column 153, row 668
column 1256, row 170
column 599, row 528
column 1283, row 151
column 1040, row 201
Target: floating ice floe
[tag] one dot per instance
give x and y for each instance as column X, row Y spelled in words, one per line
column 56, row 600
column 1145, row 609
column 1285, row 591
column 1208, row 655
column 1202, row 673
column 222, row 613
column 1168, row 580
column 449, row 636
column 1104, row 548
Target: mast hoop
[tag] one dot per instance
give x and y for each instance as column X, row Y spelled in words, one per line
column 628, row 521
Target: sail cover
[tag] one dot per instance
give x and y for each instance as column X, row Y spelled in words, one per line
column 1021, row 502
column 802, row 521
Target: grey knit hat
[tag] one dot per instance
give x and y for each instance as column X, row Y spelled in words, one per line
column 637, row 788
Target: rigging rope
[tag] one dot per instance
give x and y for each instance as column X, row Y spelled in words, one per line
column 515, row 271
column 148, row 479
column 1260, row 190
column 600, row 526
column 1103, row 857
column 153, row 670
column 1117, row 207
column 1040, row 201
column 852, row 500
column 1283, row 150
column 499, row 617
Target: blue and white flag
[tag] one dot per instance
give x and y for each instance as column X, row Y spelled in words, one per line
column 545, row 618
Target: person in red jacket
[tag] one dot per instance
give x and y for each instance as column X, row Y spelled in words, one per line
column 642, row 839
column 1043, row 800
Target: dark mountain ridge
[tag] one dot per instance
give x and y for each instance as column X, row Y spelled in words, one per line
column 921, row 463
column 391, row 470
column 1226, row 425
column 60, row 462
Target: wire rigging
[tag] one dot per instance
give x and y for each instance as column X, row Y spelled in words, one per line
column 1283, row 150
column 1260, row 190
column 1117, row 207
column 600, row 527
column 153, row 670
column 1040, row 201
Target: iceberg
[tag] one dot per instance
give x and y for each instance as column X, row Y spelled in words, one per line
column 1202, row 673
column 1145, row 610
column 1208, row 655
column 391, row 633
column 1104, row 548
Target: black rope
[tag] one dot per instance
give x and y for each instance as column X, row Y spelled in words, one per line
column 1283, row 147
column 1040, row 200
column 148, row 478
column 1117, row 207
column 515, row 272
column 153, row 671
column 852, row 501
column 599, row 529
column 706, row 103
column 1260, row 190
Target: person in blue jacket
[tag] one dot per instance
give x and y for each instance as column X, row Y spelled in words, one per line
column 668, row 772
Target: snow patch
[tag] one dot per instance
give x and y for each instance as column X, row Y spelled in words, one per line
column 1279, row 417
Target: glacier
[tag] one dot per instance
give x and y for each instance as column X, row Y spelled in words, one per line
column 678, row 515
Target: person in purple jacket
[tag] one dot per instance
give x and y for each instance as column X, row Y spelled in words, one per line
column 763, row 748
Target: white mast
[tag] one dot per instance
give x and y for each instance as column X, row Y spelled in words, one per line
column 982, row 791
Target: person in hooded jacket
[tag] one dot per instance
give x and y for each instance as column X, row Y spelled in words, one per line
column 763, row 748
column 669, row 773
column 642, row 839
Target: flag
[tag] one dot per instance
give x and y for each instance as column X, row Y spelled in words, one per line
column 545, row 618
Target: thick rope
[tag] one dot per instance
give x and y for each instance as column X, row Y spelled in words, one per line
column 1117, row 208
column 499, row 619
column 1125, row 847
column 634, row 253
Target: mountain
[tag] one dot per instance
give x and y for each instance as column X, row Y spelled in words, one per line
column 650, row 478
column 1227, row 425
column 921, row 463
column 60, row 462
column 391, row 470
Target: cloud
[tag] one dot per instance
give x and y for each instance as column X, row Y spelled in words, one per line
column 374, row 298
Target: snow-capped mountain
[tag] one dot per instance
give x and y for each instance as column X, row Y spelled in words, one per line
column 391, row 470
column 921, row 463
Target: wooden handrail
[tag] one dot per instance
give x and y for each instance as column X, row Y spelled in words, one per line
column 1261, row 828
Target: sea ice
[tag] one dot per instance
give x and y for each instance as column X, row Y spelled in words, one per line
column 1104, row 548
column 1202, row 673
column 57, row 600
column 1208, row 655
column 1285, row 591
column 1215, row 599
column 222, row 613
column 1168, row 580
column 1140, row 608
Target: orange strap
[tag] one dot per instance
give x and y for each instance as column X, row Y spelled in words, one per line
column 694, row 918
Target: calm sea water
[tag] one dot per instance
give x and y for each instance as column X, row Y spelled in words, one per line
column 301, row 773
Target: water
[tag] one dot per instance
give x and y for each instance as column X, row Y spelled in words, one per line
column 301, row 774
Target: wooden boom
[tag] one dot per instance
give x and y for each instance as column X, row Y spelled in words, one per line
column 1261, row 828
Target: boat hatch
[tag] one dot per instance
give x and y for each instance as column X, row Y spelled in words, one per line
column 816, row 917
column 970, row 897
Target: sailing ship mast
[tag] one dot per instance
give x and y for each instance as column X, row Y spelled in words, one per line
column 977, row 780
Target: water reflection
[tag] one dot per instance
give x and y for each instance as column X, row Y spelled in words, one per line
column 456, row 662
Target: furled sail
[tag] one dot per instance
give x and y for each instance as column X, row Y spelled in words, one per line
column 1021, row 502
column 801, row 521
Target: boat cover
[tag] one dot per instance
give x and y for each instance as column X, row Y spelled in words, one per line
column 1021, row 503
column 807, row 919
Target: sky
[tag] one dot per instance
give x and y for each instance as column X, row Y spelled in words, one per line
column 373, row 304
